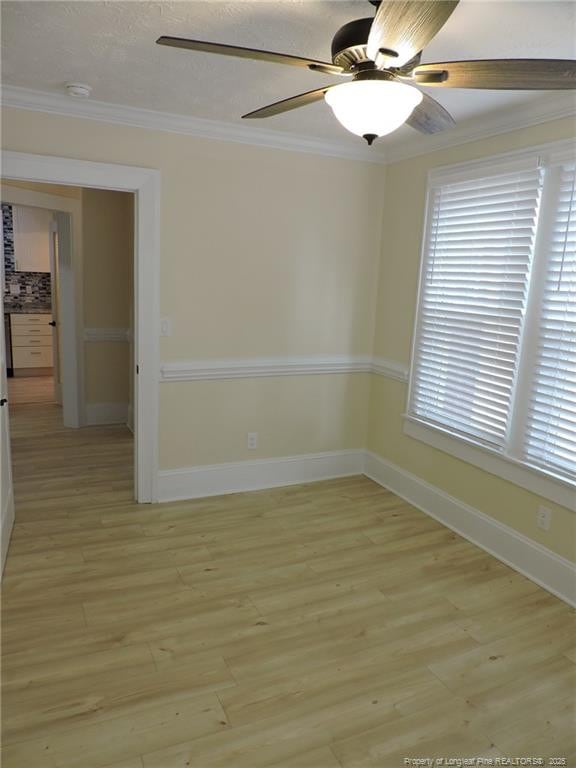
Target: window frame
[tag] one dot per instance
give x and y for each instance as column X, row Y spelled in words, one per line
column 543, row 482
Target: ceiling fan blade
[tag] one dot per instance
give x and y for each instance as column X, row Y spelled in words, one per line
column 406, row 69
column 302, row 100
column 249, row 53
column 500, row 74
column 430, row 116
column 401, row 28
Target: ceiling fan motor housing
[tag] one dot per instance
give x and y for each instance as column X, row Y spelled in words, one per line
column 350, row 42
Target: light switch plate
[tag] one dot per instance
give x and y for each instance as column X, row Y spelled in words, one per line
column 544, row 518
column 165, row 326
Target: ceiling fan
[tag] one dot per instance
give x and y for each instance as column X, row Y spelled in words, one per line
column 381, row 57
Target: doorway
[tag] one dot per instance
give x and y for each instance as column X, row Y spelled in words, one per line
column 41, row 222
column 50, row 454
column 144, row 366
column 30, row 245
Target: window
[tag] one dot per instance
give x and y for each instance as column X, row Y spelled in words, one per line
column 494, row 360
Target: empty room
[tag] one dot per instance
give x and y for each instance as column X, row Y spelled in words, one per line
column 288, row 388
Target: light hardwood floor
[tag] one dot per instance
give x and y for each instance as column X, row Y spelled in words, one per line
column 316, row 626
column 31, row 389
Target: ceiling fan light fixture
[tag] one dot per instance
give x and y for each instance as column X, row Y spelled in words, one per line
column 372, row 108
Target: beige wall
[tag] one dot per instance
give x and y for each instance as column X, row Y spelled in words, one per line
column 107, row 219
column 263, row 253
column 107, row 235
column 397, row 290
column 205, row 422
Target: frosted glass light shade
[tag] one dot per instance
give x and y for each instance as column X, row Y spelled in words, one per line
column 372, row 107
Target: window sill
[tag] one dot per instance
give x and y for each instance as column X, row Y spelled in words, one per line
column 531, row 479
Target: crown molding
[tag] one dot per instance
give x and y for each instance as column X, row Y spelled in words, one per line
column 43, row 101
column 551, row 107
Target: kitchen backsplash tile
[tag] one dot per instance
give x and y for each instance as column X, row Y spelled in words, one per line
column 34, row 288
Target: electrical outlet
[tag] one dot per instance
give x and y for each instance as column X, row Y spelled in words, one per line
column 544, row 518
column 165, row 327
column 252, row 441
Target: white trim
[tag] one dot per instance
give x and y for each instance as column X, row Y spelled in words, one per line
column 533, row 480
column 551, row 571
column 41, row 101
column 508, row 467
column 545, row 109
column 238, row 476
column 390, row 369
column 146, row 347
column 6, row 530
column 527, row 158
column 145, row 183
column 248, row 368
column 482, row 169
column 106, row 334
column 130, row 418
column 106, row 413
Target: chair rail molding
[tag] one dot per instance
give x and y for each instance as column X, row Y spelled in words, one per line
column 248, row 368
column 390, row 369
column 106, row 334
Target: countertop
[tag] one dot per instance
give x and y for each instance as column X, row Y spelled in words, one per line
column 26, row 310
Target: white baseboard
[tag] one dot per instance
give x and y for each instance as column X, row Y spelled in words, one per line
column 6, row 530
column 130, row 418
column 217, row 479
column 106, row 413
column 551, row 571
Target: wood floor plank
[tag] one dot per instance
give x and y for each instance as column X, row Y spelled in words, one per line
column 90, row 698
column 118, row 738
column 327, row 625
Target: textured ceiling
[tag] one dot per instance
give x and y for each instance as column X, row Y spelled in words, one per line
column 110, row 45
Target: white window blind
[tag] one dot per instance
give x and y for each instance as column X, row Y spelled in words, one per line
column 477, row 261
column 550, row 438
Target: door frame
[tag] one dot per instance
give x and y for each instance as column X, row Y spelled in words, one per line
column 6, row 491
column 144, row 183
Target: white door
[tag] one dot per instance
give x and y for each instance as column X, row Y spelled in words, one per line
column 6, row 491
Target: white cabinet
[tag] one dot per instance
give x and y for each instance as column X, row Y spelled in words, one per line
column 32, row 239
column 31, row 336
